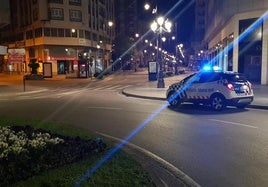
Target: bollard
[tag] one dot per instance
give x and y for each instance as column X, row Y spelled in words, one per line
column 23, row 83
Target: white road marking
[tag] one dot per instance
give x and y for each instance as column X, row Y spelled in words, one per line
column 68, row 93
column 114, row 87
column 109, row 87
column 34, row 91
column 106, row 108
column 100, row 87
column 234, row 123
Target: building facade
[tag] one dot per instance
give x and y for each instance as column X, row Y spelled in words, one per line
column 75, row 36
column 237, row 38
column 127, row 25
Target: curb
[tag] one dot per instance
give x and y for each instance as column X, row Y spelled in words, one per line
column 141, row 96
column 162, row 172
column 258, row 107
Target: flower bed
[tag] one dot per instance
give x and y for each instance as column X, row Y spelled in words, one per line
column 25, row 151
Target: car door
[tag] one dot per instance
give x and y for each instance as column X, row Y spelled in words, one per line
column 192, row 88
column 202, row 87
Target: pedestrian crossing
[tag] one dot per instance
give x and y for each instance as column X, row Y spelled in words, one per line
column 108, row 87
column 65, row 91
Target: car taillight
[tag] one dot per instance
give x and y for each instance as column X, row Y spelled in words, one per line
column 230, row 86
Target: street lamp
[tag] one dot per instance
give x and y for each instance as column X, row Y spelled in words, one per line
column 110, row 23
column 147, row 6
column 159, row 26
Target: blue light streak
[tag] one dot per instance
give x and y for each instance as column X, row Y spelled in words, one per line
column 150, row 118
column 242, row 36
column 120, row 145
column 140, row 127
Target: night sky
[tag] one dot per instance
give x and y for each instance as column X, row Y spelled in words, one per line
column 180, row 12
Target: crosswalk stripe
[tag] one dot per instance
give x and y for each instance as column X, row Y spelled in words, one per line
column 61, row 92
column 109, row 87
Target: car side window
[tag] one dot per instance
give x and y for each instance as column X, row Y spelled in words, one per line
column 209, row 77
column 204, row 77
column 189, row 78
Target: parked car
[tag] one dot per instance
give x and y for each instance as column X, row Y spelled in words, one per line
column 215, row 88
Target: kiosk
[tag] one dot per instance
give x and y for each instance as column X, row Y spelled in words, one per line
column 152, row 71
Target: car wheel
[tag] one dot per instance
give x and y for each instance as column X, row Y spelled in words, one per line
column 173, row 100
column 217, row 102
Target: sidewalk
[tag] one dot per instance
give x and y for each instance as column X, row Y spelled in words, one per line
column 149, row 90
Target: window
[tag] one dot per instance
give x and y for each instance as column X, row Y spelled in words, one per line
column 54, row 32
column 56, row 14
column 29, row 34
column 95, row 37
column 38, row 32
column 61, row 32
column 236, row 77
column 67, row 33
column 75, row 2
column 209, row 77
column 87, row 35
column 81, row 34
column 75, row 15
column 102, row 12
column 47, row 31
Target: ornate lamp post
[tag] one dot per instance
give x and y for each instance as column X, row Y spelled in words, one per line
column 159, row 26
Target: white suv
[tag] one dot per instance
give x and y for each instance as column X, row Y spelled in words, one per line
column 216, row 88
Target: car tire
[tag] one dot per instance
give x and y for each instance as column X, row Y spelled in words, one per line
column 173, row 100
column 218, row 102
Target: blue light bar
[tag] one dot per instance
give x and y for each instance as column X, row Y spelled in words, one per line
column 206, row 68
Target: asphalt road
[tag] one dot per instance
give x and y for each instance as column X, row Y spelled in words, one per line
column 215, row 149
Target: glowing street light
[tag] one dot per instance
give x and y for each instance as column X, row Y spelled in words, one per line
column 110, row 23
column 159, row 26
column 147, row 6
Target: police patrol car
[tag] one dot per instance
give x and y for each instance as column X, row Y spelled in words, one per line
column 215, row 88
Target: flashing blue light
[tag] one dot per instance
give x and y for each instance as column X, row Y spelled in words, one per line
column 216, row 68
column 210, row 68
column 206, row 68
